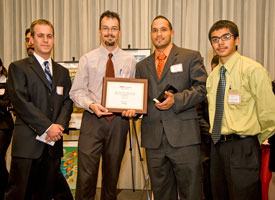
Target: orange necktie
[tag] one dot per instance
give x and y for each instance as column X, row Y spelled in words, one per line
column 161, row 58
column 110, row 72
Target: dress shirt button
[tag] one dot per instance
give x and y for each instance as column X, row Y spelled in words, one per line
column 51, row 109
column 160, row 121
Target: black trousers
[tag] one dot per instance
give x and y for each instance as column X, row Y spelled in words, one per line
column 37, row 179
column 205, row 167
column 5, row 138
column 99, row 137
column 235, row 169
column 174, row 170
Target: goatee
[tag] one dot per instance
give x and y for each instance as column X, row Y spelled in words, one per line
column 109, row 44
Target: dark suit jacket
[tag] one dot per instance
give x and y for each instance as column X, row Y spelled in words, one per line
column 36, row 106
column 6, row 121
column 179, row 122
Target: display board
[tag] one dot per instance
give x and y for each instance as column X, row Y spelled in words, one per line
column 76, row 116
column 69, row 163
column 139, row 54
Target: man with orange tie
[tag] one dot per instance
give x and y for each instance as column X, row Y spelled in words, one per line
column 170, row 130
column 101, row 132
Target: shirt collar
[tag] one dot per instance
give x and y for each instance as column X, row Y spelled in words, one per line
column 231, row 62
column 3, row 79
column 104, row 51
column 166, row 51
column 41, row 60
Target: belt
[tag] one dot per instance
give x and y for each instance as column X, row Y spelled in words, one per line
column 230, row 137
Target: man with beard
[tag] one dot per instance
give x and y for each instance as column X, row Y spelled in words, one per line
column 28, row 44
column 170, row 131
column 101, row 133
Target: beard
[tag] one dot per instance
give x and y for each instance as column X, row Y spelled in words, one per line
column 108, row 43
column 161, row 46
column 30, row 51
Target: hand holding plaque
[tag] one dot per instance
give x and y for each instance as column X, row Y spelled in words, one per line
column 121, row 94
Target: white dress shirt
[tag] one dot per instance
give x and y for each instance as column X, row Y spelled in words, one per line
column 87, row 85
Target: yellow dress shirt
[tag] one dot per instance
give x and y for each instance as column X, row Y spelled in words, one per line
column 249, row 103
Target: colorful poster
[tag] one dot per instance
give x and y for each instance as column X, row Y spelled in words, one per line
column 69, row 163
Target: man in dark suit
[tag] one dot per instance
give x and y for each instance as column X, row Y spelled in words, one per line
column 39, row 91
column 170, row 130
column 6, row 128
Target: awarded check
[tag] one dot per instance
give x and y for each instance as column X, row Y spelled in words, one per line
column 121, row 94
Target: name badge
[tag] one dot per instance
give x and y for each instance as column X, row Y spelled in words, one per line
column 2, row 91
column 176, row 68
column 234, row 99
column 59, row 90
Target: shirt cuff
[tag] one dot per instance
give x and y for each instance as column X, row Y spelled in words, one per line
column 87, row 106
column 48, row 128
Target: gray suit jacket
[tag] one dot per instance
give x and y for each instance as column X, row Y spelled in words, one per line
column 37, row 105
column 180, row 122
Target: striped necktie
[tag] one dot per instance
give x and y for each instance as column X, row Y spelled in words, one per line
column 48, row 73
column 216, row 133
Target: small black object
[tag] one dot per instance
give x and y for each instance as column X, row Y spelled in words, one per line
column 168, row 88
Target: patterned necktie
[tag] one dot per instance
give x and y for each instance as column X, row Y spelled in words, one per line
column 110, row 72
column 48, row 73
column 161, row 58
column 216, row 133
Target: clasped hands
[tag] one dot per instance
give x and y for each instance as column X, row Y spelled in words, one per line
column 54, row 133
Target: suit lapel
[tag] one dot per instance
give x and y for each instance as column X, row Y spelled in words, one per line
column 38, row 70
column 170, row 61
column 56, row 73
column 152, row 68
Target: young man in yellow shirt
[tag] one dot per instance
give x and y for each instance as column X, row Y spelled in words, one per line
column 241, row 114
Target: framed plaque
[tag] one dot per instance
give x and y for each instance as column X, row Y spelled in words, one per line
column 120, row 94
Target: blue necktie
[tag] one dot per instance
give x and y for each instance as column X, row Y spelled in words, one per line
column 48, row 73
column 216, row 133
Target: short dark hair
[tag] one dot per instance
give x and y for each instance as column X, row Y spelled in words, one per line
column 109, row 14
column 162, row 17
column 40, row 21
column 224, row 24
column 215, row 60
column 4, row 70
column 27, row 31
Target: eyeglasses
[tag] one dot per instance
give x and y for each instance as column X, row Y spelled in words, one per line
column 107, row 29
column 224, row 37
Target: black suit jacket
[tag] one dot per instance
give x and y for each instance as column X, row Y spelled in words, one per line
column 179, row 122
column 37, row 106
column 6, row 121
